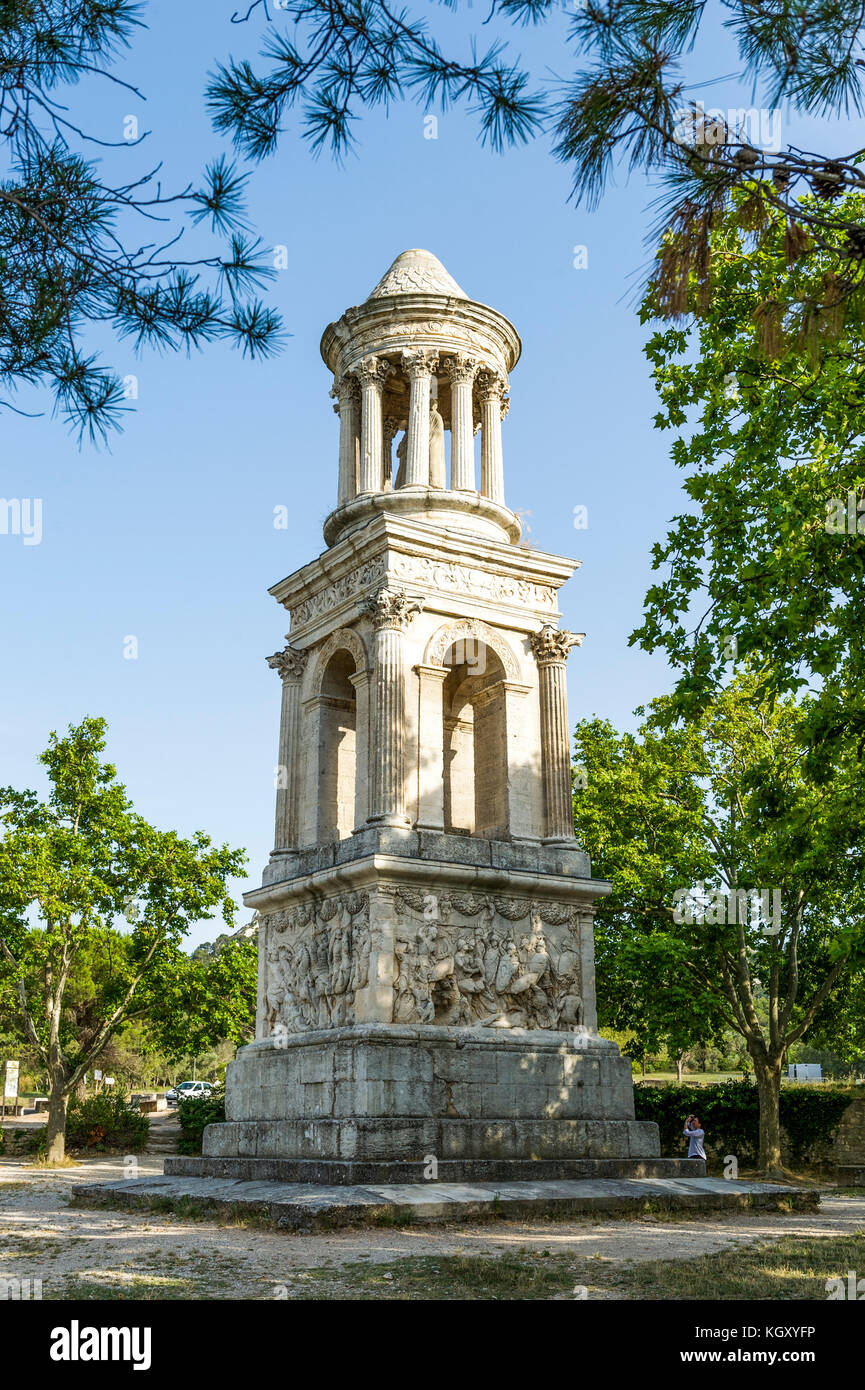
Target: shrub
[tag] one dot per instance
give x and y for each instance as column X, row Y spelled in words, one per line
column 195, row 1115
column 730, row 1114
column 811, row 1116
column 106, row 1122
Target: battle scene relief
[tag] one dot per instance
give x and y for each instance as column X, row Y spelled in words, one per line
column 459, row 959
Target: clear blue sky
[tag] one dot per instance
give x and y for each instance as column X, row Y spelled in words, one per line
column 169, row 537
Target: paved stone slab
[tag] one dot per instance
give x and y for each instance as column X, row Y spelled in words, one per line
column 299, row 1206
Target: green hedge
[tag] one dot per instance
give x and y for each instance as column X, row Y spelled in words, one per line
column 195, row 1115
column 729, row 1112
column 106, row 1122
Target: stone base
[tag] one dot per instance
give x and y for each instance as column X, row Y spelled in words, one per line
column 307, row 1207
column 336, row 1173
column 382, row 1101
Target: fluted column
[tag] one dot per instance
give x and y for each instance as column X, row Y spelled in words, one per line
column 461, row 370
column 290, row 663
column 372, row 374
column 390, row 425
column 420, row 367
column 492, row 388
column 551, row 648
column 347, row 393
column 391, row 612
column 430, row 792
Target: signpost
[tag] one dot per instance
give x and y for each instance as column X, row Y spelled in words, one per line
column 10, row 1085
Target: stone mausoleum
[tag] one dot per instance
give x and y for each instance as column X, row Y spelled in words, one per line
column 426, row 982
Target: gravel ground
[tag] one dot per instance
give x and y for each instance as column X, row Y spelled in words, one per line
column 79, row 1252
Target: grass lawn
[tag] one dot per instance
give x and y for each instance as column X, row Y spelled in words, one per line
column 691, row 1078
column 789, row 1268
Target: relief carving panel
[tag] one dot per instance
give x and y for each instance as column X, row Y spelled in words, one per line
column 316, row 959
column 478, row 961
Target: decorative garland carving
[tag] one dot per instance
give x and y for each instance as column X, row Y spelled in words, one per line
column 346, row 587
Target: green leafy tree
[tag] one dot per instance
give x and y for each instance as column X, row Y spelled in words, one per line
column 686, row 821
column 763, row 567
column 70, row 867
column 77, row 249
column 626, row 98
column 206, row 1001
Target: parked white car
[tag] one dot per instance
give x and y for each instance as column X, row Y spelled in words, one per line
column 189, row 1090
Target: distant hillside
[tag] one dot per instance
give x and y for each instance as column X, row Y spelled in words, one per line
column 208, row 949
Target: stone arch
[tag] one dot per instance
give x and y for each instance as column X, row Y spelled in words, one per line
column 473, row 630
column 345, row 639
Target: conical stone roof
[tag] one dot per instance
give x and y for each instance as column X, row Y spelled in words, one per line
column 417, row 272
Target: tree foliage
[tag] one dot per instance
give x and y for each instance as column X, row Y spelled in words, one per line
column 625, row 99
column 681, row 816
column 79, row 250
column 766, row 395
column 71, row 867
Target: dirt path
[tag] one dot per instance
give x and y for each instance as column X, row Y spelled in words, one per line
column 79, row 1252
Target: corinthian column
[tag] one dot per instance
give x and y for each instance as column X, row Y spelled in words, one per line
column 461, row 370
column 420, row 367
column 492, row 388
column 372, row 374
column 347, row 393
column 290, row 664
column 391, row 612
column 551, row 648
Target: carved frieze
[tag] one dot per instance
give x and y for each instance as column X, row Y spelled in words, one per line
column 463, row 579
column 463, row 959
column 436, row 574
column 514, row 964
column 346, row 587
column 316, row 959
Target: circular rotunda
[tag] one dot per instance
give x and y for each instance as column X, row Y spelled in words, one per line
column 420, row 360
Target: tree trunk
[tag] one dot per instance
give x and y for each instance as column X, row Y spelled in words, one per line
column 680, row 1067
column 768, row 1078
column 55, row 1136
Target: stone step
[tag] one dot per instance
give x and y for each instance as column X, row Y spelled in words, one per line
column 302, row 1206
column 329, row 1172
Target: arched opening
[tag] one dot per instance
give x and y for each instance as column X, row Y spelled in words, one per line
column 337, row 749
column 475, row 741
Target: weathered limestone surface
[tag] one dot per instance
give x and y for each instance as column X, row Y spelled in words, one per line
column 301, row 1206
column 426, row 960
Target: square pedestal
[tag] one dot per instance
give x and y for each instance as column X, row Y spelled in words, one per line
column 377, row 1103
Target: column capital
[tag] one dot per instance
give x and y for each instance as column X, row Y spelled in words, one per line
column 554, row 644
column 460, row 367
column 290, row 663
column 420, row 363
column 375, row 370
column 345, row 388
column 392, row 608
column 491, row 384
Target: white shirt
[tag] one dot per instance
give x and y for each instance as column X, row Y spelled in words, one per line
column 695, row 1146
